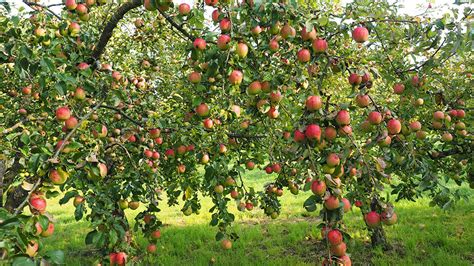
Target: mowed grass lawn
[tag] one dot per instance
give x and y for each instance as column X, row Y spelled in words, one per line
column 423, row 236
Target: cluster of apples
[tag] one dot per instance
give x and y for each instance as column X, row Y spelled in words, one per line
column 337, row 247
column 37, row 205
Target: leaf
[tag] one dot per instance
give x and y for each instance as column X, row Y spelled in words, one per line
column 44, row 222
column 219, row 236
column 55, row 256
column 79, row 212
column 90, row 237
column 310, row 204
column 23, row 261
column 67, row 197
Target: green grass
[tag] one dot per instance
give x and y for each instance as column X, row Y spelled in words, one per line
column 423, row 236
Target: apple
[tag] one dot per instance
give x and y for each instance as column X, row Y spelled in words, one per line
column 71, row 122
column 311, row 35
column 298, row 136
column 332, row 159
column 133, row 205
column 234, row 194
column 338, row 250
column 74, row 29
column 215, row 15
column 223, row 42
column 275, row 97
column 32, row 248
column 225, row 25
column 249, row 206
column 394, row 126
column 354, row 79
column 372, row 219
column 151, row 248
column 331, row 203
column 235, row 77
column 460, row 113
column 121, row 258
column 374, row 118
column 79, row 94
column 415, row 126
column 250, row 165
column 199, row 44
column 182, row 149
column 70, row 4
column 181, row 168
column 273, row 45
column 58, row 177
column 222, row 149
column 226, row 244
column 102, row 169
column 184, row 9
column 254, row 88
column 268, row 169
column 156, row 234
column 202, row 110
column 330, row 133
column 303, row 55
column 276, row 168
column 447, row 137
column 313, row 103
column 438, row 116
column 388, row 219
column 273, row 113
column 63, row 113
column 219, row 189
column 78, row 200
column 81, row 9
column 362, row 100
column 360, row 34
column 421, row 134
column 398, row 88
column 343, row 118
column 38, row 229
column 334, row 237
column 347, row 204
column 194, row 77
column 211, row 2
column 38, row 203
column 208, row 123
column 318, row 187
column 49, row 231
column 313, row 131
column 320, row 46
column 205, row 158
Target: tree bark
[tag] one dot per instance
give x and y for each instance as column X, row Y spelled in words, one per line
column 378, row 238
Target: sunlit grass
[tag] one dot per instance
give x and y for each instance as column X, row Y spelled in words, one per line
column 423, row 236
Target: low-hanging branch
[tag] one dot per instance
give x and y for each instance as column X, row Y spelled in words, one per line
column 111, row 25
column 33, row 4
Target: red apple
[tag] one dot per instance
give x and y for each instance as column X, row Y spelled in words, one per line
column 208, row 123
column 199, row 44
column 202, row 110
column 273, row 45
column 332, row 159
column 242, row 50
column 70, row 4
column 334, row 237
column 313, row 103
column 156, row 234
column 374, row 118
column 318, row 187
column 362, row 100
column 311, row 35
column 347, row 204
column 225, row 25
column 63, row 113
column 223, row 42
column 354, row 79
column 254, row 88
column 320, row 46
column 226, row 244
column 331, row 203
column 303, row 55
column 184, row 9
column 343, row 117
column 330, row 133
column 394, row 126
column 398, row 88
column 360, row 34
column 151, row 248
column 372, row 219
column 236, row 77
column 298, row 136
column 313, row 132
column 338, row 250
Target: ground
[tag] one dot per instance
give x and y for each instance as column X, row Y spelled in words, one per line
column 423, row 236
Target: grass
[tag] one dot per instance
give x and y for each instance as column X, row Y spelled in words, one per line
column 423, row 236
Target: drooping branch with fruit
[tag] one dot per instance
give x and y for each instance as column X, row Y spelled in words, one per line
column 343, row 103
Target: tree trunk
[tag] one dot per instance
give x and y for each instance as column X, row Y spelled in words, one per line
column 379, row 238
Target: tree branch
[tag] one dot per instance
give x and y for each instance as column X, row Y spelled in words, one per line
column 176, row 26
column 111, row 25
column 123, row 114
column 32, row 4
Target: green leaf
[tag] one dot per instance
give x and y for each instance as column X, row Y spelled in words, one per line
column 310, row 204
column 44, row 222
column 219, row 236
column 90, row 237
column 78, row 213
column 23, row 261
column 67, row 197
column 55, row 256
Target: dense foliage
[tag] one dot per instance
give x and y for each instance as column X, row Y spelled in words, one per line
column 348, row 103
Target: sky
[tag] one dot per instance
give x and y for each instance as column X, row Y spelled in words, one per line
column 410, row 7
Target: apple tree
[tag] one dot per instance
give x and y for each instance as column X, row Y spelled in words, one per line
column 110, row 105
